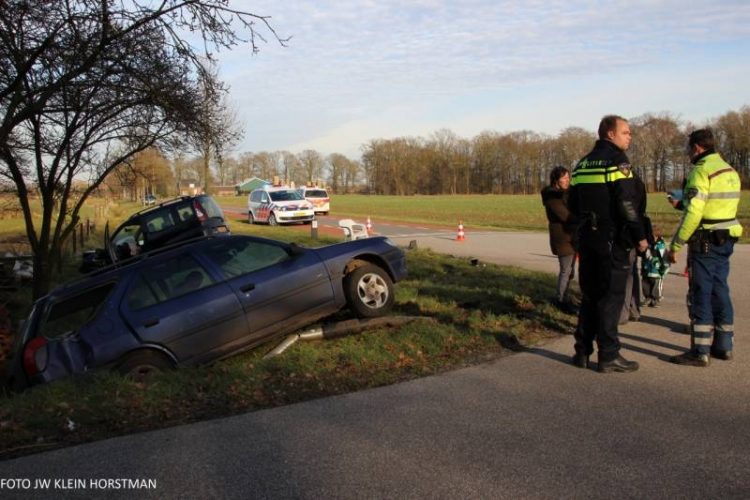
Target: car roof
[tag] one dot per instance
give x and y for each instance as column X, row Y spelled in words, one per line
column 156, row 208
column 113, row 271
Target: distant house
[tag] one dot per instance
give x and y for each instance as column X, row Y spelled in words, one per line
column 190, row 188
column 249, row 185
column 222, row 190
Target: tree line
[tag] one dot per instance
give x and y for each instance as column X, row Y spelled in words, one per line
column 489, row 163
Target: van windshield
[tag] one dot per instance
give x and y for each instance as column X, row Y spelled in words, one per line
column 285, row 195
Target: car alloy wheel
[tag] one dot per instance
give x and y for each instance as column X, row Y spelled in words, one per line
column 369, row 291
column 272, row 220
column 250, row 218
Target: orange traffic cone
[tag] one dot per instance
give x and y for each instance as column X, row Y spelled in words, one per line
column 368, row 225
column 460, row 236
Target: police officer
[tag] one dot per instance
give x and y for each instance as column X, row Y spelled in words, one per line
column 604, row 198
column 710, row 228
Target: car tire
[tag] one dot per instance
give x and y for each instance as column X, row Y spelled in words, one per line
column 250, row 218
column 272, row 220
column 141, row 365
column 369, row 291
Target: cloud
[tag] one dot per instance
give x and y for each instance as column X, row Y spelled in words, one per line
column 360, row 62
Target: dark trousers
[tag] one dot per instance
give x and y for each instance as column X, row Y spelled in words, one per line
column 711, row 306
column 603, row 271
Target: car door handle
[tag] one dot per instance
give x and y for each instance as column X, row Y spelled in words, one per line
column 247, row 288
column 151, row 322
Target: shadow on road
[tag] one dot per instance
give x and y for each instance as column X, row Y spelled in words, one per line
column 672, row 326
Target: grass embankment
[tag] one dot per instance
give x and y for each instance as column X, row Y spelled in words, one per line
column 472, row 314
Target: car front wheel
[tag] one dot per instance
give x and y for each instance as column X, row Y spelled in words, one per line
column 141, row 365
column 272, row 220
column 250, row 218
column 369, row 291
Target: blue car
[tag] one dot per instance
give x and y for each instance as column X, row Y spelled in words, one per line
column 199, row 302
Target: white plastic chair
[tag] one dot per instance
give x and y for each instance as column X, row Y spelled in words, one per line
column 353, row 230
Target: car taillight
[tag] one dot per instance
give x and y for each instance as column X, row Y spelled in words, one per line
column 199, row 211
column 35, row 356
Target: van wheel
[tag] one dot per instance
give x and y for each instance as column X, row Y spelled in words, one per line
column 139, row 366
column 369, row 291
column 272, row 220
column 250, row 218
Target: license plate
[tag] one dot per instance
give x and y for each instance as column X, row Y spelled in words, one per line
column 299, row 214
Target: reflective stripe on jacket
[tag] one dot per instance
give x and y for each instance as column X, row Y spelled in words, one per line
column 712, row 195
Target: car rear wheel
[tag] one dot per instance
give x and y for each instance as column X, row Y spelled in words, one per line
column 250, row 218
column 141, row 365
column 369, row 291
column 272, row 220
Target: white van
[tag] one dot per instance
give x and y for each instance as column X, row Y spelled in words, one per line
column 278, row 206
column 318, row 197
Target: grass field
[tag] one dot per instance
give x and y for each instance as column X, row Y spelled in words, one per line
column 506, row 212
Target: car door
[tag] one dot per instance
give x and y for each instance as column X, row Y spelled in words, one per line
column 264, row 209
column 178, row 304
column 276, row 284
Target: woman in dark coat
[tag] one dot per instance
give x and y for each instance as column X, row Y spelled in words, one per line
column 562, row 230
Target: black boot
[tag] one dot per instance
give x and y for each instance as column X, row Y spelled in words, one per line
column 690, row 358
column 619, row 364
column 580, row 360
column 725, row 355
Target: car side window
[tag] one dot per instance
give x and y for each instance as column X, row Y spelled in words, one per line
column 185, row 213
column 167, row 280
column 159, row 221
column 70, row 314
column 239, row 256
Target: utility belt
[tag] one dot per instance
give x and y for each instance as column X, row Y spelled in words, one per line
column 702, row 239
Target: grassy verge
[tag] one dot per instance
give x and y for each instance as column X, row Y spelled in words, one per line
column 472, row 314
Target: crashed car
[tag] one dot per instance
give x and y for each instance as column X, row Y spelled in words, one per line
column 175, row 220
column 199, row 302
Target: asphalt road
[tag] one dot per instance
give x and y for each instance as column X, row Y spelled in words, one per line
column 527, row 426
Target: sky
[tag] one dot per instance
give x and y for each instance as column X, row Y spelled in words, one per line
column 359, row 70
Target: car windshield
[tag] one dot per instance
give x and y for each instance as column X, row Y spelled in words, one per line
column 316, row 193
column 285, row 195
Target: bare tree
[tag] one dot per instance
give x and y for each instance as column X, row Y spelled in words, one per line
column 657, row 148
column 312, row 164
column 219, row 129
column 733, row 131
column 86, row 84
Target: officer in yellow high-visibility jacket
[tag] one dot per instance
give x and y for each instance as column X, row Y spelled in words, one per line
column 710, row 227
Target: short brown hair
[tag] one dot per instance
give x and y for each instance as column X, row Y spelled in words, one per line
column 702, row 137
column 609, row 124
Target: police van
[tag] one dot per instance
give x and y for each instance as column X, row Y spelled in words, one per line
column 318, row 197
column 278, row 205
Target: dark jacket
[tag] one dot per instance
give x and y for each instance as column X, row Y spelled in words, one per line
column 561, row 221
column 604, row 196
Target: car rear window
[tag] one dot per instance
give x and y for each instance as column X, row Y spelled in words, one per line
column 316, row 193
column 285, row 195
column 70, row 314
column 210, row 206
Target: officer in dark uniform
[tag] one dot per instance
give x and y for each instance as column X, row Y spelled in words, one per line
column 603, row 195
